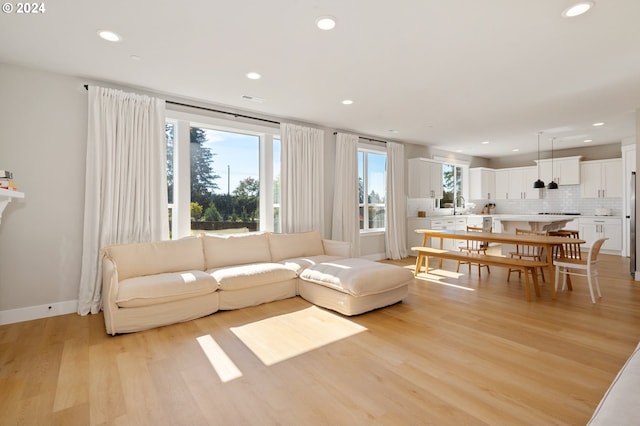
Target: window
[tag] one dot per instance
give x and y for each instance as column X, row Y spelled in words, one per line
column 169, row 130
column 372, row 194
column 452, row 188
column 221, row 177
column 276, row 185
column 225, row 185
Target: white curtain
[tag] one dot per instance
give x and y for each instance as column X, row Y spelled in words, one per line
column 396, row 235
column 345, row 224
column 126, row 181
column 302, row 185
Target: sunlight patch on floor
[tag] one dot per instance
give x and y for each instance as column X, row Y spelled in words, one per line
column 283, row 337
column 436, row 276
column 223, row 365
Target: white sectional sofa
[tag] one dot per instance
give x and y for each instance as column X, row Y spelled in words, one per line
column 147, row 285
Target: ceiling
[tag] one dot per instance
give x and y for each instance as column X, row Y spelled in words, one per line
column 449, row 74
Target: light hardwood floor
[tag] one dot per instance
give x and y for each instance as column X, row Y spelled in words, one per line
column 458, row 350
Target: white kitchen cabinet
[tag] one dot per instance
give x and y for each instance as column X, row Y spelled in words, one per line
column 601, row 179
column 413, row 223
column 502, row 184
column 592, row 229
column 425, row 178
column 457, row 223
column 447, row 222
column 529, row 175
column 475, row 220
column 482, row 183
column 517, row 184
column 563, row 171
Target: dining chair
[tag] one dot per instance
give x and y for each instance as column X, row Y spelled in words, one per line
column 478, row 247
column 583, row 267
column 570, row 249
column 527, row 252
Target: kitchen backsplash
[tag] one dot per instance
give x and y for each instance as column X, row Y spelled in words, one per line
column 565, row 199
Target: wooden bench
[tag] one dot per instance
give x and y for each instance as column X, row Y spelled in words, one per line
column 525, row 266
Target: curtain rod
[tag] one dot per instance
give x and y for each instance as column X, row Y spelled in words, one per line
column 367, row 139
column 86, row 86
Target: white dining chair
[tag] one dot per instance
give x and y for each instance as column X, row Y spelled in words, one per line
column 584, row 267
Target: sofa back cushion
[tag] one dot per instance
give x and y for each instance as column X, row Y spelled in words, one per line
column 140, row 259
column 289, row 246
column 235, row 249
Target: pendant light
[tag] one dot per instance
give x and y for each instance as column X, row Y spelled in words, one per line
column 538, row 184
column 552, row 184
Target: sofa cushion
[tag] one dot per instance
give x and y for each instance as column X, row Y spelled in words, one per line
column 358, row 277
column 235, row 249
column 299, row 264
column 289, row 246
column 254, row 275
column 337, row 248
column 161, row 288
column 139, row 259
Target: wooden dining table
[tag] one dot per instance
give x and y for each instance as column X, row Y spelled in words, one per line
column 545, row 241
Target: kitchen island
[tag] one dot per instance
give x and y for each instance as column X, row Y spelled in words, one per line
column 535, row 222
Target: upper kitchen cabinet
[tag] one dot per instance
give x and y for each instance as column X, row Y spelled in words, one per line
column 563, row 171
column 482, row 183
column 502, row 184
column 516, row 184
column 425, row 178
column 601, row 179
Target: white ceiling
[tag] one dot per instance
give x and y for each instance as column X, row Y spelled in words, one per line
column 445, row 73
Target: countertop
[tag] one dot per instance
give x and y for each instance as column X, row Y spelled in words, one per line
column 519, row 217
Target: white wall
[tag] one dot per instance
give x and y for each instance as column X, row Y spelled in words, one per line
column 42, row 140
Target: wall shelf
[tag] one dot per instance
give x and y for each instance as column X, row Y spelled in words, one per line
column 6, row 196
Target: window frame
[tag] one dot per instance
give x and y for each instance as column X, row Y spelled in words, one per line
column 464, row 165
column 180, row 209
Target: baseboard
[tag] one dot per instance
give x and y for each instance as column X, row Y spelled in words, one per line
column 36, row 312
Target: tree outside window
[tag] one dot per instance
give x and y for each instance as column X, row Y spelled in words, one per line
column 372, row 182
column 451, row 186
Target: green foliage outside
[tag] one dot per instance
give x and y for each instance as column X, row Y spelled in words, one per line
column 196, row 211
column 241, row 205
column 451, row 184
column 211, row 214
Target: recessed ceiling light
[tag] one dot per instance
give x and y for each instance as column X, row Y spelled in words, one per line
column 326, row 22
column 392, row 131
column 515, row 150
column 598, row 124
column 347, row 102
column 458, row 150
column 577, row 9
column 588, row 140
column 254, row 76
column 109, row 35
column 484, row 142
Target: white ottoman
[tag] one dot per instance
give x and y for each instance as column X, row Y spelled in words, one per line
column 353, row 286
